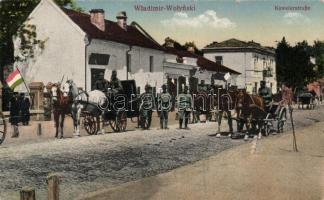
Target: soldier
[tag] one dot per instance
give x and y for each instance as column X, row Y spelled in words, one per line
column 101, row 83
column 184, row 107
column 115, row 83
column 165, row 104
column 147, row 104
column 14, row 114
column 266, row 93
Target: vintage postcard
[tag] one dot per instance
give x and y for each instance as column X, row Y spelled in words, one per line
column 161, row 99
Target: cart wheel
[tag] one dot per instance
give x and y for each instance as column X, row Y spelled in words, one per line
column 114, row 124
column 282, row 119
column 3, row 128
column 90, row 124
column 267, row 125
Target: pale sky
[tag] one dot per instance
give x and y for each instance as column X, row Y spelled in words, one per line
column 218, row 20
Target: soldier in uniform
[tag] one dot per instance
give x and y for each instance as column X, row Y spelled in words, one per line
column 165, row 104
column 115, row 83
column 14, row 114
column 184, row 107
column 147, row 104
column 101, row 83
column 266, row 94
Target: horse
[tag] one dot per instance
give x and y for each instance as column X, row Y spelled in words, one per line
column 61, row 106
column 93, row 102
column 250, row 110
column 224, row 101
column 201, row 102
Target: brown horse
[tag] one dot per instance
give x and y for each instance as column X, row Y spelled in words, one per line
column 224, row 101
column 61, row 106
column 251, row 111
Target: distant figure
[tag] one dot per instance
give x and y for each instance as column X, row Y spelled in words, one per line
column 265, row 93
column 287, row 95
column 184, row 107
column 115, row 83
column 25, row 113
column 165, row 104
column 14, row 114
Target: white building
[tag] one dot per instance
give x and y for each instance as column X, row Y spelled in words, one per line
column 204, row 69
column 79, row 46
column 252, row 60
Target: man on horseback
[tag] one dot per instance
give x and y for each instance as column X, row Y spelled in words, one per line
column 265, row 93
column 184, row 107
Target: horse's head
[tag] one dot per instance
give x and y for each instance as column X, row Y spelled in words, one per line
column 67, row 88
column 53, row 89
column 240, row 98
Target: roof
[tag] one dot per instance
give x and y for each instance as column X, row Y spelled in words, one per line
column 238, row 45
column 202, row 62
column 112, row 31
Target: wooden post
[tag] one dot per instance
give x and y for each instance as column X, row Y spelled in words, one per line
column 53, row 186
column 39, row 129
column 27, row 193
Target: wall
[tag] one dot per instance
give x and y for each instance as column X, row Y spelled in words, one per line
column 140, row 63
column 250, row 65
column 64, row 48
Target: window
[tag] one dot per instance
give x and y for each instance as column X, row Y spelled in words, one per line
column 151, row 63
column 99, row 59
column 128, row 62
column 219, row 59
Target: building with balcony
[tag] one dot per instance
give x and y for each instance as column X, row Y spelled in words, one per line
column 253, row 61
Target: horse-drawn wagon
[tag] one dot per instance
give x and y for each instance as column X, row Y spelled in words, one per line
column 114, row 112
column 306, row 98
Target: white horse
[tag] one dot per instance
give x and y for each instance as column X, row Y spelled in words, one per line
column 93, row 102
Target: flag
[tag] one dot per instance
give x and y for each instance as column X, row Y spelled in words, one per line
column 227, row 76
column 14, row 79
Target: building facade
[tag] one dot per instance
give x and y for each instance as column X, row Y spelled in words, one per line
column 253, row 61
column 80, row 46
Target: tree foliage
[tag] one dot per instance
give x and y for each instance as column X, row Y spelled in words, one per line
column 13, row 13
column 293, row 63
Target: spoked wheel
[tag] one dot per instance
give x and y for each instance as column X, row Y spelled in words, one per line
column 3, row 128
column 281, row 120
column 119, row 123
column 267, row 126
column 90, row 124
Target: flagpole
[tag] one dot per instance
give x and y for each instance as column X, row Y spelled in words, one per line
column 28, row 91
column 23, row 81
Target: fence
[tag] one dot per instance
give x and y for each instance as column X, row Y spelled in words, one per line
column 53, row 181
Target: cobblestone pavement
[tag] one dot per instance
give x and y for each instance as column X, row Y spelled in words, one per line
column 90, row 163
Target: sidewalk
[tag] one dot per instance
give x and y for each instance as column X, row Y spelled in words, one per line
column 266, row 170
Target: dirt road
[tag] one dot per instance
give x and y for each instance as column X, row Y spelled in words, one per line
column 273, row 172
column 91, row 163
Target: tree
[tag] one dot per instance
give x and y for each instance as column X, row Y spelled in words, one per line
column 12, row 16
column 318, row 53
column 293, row 64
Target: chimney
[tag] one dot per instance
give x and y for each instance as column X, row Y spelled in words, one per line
column 97, row 18
column 122, row 20
column 191, row 49
column 169, row 42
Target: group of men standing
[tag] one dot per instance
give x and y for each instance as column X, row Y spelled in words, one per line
column 19, row 111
